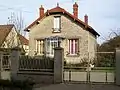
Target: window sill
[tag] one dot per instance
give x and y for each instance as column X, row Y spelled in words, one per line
column 72, row 55
column 56, row 30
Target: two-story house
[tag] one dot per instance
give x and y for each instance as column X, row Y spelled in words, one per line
column 57, row 25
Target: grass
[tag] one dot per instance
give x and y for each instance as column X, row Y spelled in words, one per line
column 103, row 69
column 95, row 69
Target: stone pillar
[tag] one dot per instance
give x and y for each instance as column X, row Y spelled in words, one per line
column 1, row 62
column 117, row 67
column 58, row 64
column 14, row 57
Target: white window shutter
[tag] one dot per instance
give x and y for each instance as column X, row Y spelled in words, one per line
column 70, row 43
column 56, row 22
column 74, row 47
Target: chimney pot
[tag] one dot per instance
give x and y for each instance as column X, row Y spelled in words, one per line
column 57, row 4
column 86, row 18
column 41, row 11
column 75, row 10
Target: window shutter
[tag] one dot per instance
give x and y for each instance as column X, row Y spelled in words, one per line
column 73, row 46
column 57, row 23
column 76, row 46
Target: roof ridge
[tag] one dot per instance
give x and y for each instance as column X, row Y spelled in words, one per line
column 59, row 9
column 6, row 24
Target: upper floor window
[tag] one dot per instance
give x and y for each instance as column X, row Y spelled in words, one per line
column 57, row 20
column 73, row 46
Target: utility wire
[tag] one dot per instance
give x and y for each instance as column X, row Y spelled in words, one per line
column 4, row 8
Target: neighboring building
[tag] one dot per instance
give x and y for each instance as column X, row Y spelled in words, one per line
column 9, row 38
column 25, row 43
column 77, row 38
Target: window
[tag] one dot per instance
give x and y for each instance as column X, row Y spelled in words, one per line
column 56, row 24
column 73, row 46
column 50, row 45
column 6, row 62
column 39, row 47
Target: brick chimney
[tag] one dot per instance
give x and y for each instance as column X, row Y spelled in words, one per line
column 41, row 11
column 86, row 18
column 75, row 10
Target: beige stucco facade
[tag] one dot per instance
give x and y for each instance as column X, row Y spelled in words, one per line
column 69, row 30
column 26, row 48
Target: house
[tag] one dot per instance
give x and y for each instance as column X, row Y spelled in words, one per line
column 57, row 25
column 9, row 38
column 25, row 43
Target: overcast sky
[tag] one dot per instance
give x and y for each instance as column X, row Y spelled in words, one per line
column 104, row 15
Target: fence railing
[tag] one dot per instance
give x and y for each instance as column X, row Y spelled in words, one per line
column 36, row 63
column 27, row 63
column 101, row 68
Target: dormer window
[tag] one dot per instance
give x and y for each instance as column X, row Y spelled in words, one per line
column 57, row 24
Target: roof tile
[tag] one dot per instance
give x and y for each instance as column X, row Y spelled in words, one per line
column 4, row 31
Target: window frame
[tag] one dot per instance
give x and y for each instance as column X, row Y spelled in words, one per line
column 57, row 27
column 73, row 42
column 39, row 47
column 50, row 49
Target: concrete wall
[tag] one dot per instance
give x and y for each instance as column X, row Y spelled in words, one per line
column 6, row 75
column 117, row 68
column 81, row 76
column 69, row 30
column 36, row 77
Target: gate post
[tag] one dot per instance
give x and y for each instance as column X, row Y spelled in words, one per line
column 58, row 64
column 117, row 67
column 14, row 58
column 0, row 63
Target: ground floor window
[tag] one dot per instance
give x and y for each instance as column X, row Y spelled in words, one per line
column 50, row 45
column 39, row 47
column 73, row 46
column 47, row 45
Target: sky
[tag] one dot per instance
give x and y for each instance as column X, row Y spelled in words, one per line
column 103, row 15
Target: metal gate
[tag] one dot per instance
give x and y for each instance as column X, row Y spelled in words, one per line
column 101, row 69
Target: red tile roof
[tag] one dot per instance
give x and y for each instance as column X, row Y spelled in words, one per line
column 4, row 31
column 23, row 40
column 63, row 11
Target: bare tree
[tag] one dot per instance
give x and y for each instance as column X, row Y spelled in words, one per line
column 18, row 21
column 114, row 33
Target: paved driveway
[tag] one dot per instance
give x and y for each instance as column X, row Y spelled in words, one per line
column 79, row 87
